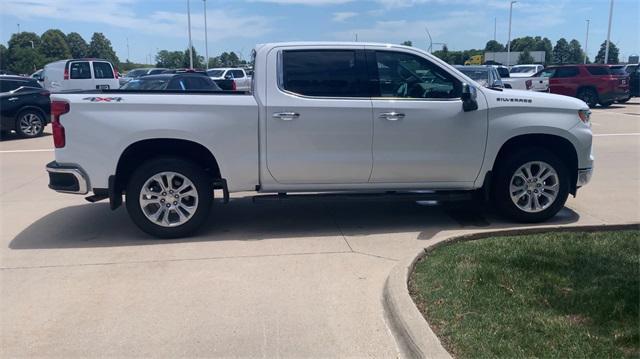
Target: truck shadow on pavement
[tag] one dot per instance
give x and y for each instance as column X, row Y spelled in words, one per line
column 95, row 225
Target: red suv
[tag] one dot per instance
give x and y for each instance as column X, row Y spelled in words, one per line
column 593, row 84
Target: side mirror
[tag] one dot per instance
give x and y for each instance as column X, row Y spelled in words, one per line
column 469, row 98
column 228, row 77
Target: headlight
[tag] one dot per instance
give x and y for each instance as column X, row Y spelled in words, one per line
column 585, row 116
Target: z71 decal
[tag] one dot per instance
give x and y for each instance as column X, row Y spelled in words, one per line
column 103, row 99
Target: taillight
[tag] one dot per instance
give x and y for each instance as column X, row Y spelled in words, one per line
column 528, row 83
column 115, row 72
column 234, row 87
column 58, row 108
column 66, row 72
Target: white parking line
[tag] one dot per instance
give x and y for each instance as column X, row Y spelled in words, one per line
column 25, row 151
column 617, row 134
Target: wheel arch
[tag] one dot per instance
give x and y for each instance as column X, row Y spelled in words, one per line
column 29, row 107
column 588, row 87
column 144, row 150
column 558, row 145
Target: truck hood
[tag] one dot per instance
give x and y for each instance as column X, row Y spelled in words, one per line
column 531, row 99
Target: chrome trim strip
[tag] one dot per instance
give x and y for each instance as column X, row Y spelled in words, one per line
column 83, row 187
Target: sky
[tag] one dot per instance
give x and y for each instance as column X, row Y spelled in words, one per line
column 237, row 25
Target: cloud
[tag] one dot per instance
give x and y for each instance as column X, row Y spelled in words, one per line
column 227, row 24
column 342, row 16
column 304, row 2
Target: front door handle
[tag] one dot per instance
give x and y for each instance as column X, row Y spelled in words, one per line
column 14, row 99
column 391, row 116
column 286, row 116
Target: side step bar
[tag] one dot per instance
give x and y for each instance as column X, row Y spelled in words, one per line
column 441, row 196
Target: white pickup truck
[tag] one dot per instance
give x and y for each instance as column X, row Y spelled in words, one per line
column 346, row 120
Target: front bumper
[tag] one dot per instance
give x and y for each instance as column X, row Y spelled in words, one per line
column 584, row 176
column 67, row 179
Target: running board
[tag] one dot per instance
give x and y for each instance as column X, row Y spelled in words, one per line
column 442, row 196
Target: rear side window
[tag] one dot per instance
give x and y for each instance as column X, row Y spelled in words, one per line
column 156, row 71
column 197, row 83
column 324, row 73
column 102, row 70
column 237, row 74
column 503, row 72
column 598, row 70
column 566, row 72
column 80, row 70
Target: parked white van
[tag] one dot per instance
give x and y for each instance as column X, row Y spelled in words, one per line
column 80, row 74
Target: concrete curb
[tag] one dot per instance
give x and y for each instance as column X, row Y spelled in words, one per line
column 412, row 333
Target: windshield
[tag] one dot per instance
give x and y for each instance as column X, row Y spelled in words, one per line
column 476, row 74
column 136, row 73
column 523, row 69
column 145, row 84
column 215, row 73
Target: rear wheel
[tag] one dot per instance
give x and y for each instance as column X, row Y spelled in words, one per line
column 624, row 100
column 30, row 123
column 589, row 96
column 531, row 185
column 169, row 197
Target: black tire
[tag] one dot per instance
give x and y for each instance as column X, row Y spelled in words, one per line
column 194, row 173
column 606, row 104
column 589, row 96
column 501, row 185
column 38, row 124
column 624, row 100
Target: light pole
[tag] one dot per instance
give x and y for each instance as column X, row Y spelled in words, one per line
column 430, row 40
column 509, row 41
column 586, row 42
column 206, row 40
column 190, row 43
column 127, row 49
column 495, row 27
column 606, row 50
column 33, row 47
column 18, row 28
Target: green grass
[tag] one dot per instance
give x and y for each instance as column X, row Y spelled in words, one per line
column 563, row 295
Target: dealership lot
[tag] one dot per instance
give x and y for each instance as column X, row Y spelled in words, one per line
column 263, row 279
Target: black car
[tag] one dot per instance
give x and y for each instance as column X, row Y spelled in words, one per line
column 172, row 82
column 634, row 79
column 24, row 106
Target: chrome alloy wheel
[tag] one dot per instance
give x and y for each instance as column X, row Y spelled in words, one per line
column 31, row 124
column 534, row 186
column 168, row 199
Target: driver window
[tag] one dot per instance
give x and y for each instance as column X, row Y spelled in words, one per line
column 403, row 75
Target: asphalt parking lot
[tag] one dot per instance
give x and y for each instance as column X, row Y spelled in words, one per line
column 268, row 279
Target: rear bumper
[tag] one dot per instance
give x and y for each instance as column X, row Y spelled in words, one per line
column 614, row 96
column 67, row 179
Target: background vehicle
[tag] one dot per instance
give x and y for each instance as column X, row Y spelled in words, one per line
column 331, row 118
column 525, row 70
column 634, row 79
column 24, row 106
column 172, row 82
column 38, row 75
column 486, row 76
column 593, row 84
column 620, row 72
column 136, row 73
column 80, row 74
column 521, row 83
column 242, row 81
column 475, row 60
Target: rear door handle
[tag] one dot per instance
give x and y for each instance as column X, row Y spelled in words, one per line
column 286, row 116
column 391, row 116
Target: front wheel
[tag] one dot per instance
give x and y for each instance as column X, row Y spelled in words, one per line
column 589, row 96
column 531, row 185
column 606, row 104
column 624, row 100
column 169, row 197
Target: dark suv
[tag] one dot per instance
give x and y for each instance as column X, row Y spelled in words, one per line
column 593, row 84
column 24, row 106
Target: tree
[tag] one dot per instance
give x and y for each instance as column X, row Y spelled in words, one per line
column 407, row 43
column 23, row 56
column 523, row 43
column 53, row 45
column 198, row 61
column 494, row 46
column 561, row 52
column 100, row 47
column 525, row 57
column 576, row 55
column 170, row 59
column 613, row 53
column 3, row 57
column 78, row 47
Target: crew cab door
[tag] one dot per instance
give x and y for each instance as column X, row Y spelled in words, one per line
column 318, row 116
column 421, row 132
